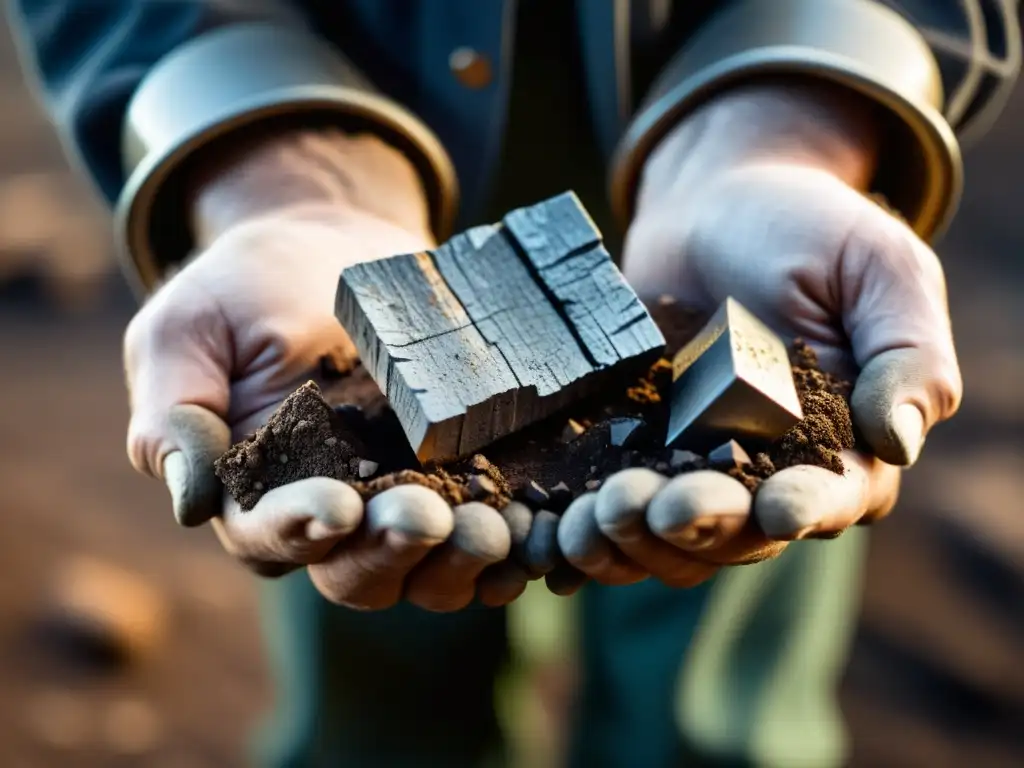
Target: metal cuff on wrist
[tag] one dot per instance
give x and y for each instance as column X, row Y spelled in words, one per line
column 859, row 44
column 239, row 77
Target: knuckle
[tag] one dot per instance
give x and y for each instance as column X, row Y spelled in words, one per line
column 885, row 245
column 179, row 311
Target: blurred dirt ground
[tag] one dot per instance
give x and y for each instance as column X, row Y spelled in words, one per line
column 935, row 679
column 66, row 491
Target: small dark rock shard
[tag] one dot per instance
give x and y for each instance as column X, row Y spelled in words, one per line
column 729, row 455
column 352, row 416
column 681, row 459
column 367, row 468
column 624, row 433
column 573, row 429
column 560, row 496
column 535, row 493
column 481, row 486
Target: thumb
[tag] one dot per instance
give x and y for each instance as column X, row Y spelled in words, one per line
column 897, row 319
column 200, row 437
column 177, row 364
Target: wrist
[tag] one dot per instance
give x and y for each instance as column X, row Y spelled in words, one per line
column 799, row 123
column 307, row 175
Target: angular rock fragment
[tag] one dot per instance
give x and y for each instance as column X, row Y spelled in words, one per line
column 623, row 433
column 728, row 456
column 560, row 496
column 501, row 326
column 733, row 379
column 481, row 486
column 536, row 494
column 682, row 459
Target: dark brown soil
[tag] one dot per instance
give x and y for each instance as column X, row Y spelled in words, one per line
column 305, row 438
column 546, row 465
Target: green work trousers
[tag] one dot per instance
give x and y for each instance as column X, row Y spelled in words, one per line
column 742, row 671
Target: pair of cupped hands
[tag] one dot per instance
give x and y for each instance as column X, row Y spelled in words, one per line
column 758, row 196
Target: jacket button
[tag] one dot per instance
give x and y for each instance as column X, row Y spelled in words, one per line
column 471, row 69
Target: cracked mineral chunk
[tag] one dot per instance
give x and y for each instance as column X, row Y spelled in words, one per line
column 498, row 328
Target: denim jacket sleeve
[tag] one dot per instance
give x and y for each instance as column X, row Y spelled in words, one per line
column 137, row 88
column 940, row 69
column 977, row 44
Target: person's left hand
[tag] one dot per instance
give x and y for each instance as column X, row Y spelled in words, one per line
column 784, row 230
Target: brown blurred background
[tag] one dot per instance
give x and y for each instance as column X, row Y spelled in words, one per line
column 936, row 678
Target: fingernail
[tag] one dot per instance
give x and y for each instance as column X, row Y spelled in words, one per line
column 908, row 427
column 176, row 478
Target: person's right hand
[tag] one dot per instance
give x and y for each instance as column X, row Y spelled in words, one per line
column 249, row 319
